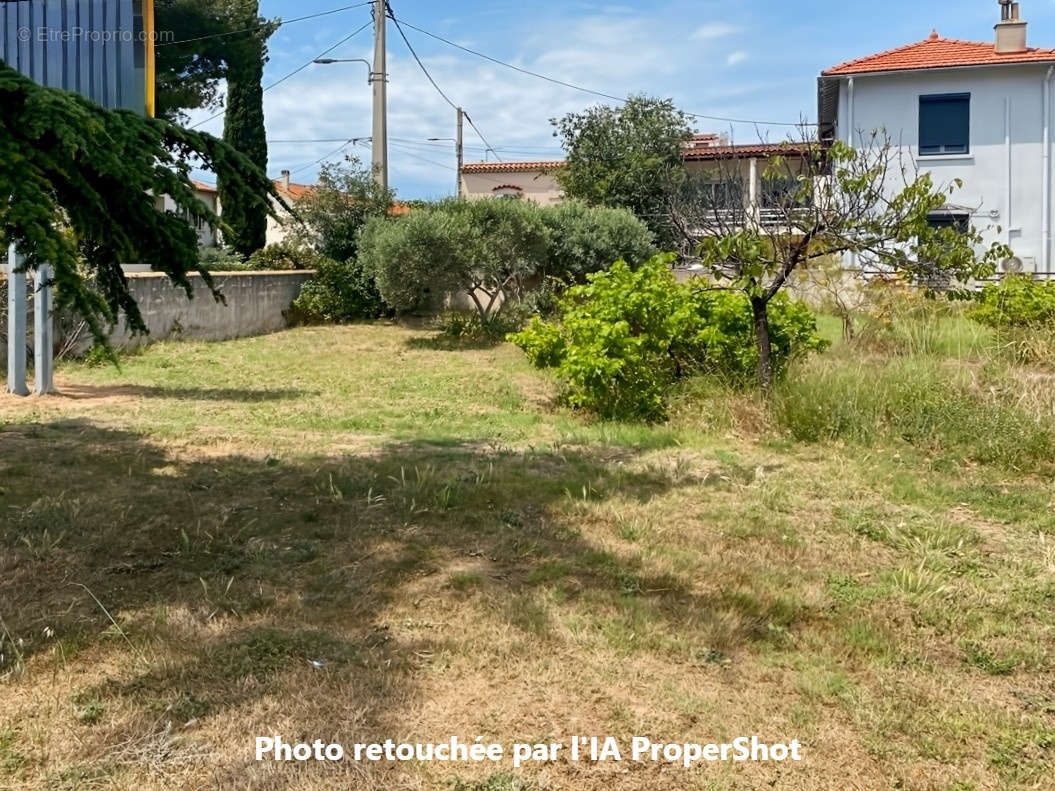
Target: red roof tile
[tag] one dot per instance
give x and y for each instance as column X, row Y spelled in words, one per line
column 511, row 167
column 939, row 53
column 745, row 151
column 294, row 192
column 694, row 154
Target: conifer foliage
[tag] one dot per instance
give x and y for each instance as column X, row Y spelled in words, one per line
column 80, row 186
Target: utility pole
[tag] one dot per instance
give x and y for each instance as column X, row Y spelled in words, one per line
column 461, row 156
column 379, row 78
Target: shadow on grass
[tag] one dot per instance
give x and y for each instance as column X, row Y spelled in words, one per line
column 445, row 343
column 298, row 560
column 82, row 392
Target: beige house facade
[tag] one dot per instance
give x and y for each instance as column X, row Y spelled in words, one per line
column 749, row 165
column 533, row 181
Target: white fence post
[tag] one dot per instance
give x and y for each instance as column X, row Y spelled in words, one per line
column 43, row 347
column 16, row 325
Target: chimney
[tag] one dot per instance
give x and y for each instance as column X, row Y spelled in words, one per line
column 285, row 180
column 1010, row 30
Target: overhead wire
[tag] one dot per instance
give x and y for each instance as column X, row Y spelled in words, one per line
column 296, row 71
column 435, row 85
column 584, row 89
column 262, row 26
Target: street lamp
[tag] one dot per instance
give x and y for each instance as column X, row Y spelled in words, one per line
column 327, row 61
column 377, row 78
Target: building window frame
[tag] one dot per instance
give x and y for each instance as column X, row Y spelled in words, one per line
column 948, row 135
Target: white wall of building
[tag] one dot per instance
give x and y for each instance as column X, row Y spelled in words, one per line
column 1003, row 174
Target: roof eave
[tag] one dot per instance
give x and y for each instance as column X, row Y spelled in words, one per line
column 889, row 72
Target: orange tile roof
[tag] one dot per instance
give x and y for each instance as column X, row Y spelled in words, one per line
column 745, row 151
column 693, row 154
column 511, row 167
column 939, row 53
column 203, row 187
column 294, row 192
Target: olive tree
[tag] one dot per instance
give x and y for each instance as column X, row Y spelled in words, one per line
column 487, row 249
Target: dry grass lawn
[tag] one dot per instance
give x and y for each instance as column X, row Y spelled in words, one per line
column 180, row 538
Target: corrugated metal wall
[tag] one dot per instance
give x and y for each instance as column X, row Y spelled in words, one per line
column 93, row 47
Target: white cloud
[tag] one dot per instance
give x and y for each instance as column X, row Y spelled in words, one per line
column 713, row 30
column 512, row 110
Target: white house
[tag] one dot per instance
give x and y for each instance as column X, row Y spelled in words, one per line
column 206, row 193
column 976, row 111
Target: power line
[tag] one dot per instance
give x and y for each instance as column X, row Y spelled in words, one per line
column 439, row 90
column 310, row 140
column 296, row 71
column 261, row 26
column 573, row 86
column 351, row 141
column 411, row 153
column 487, row 143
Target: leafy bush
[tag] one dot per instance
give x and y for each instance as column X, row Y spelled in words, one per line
column 340, row 291
column 1021, row 311
column 1016, row 301
column 331, row 215
column 282, row 256
column 586, row 239
column 221, row 259
column 469, row 326
column 625, row 337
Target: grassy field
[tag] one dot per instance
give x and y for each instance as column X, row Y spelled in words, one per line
column 867, row 566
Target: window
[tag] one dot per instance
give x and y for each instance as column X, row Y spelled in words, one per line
column 507, row 191
column 784, row 192
column 949, row 219
column 722, row 195
column 944, row 124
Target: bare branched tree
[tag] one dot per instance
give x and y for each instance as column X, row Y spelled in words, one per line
column 752, row 225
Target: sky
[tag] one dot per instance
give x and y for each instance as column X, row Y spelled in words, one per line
column 755, row 60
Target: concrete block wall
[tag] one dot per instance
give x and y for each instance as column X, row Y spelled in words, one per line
column 256, row 304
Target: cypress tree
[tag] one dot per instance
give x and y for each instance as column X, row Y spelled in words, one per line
column 246, row 222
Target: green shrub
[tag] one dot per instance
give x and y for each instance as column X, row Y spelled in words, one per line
column 1016, row 301
column 221, row 259
column 486, row 249
column 624, row 338
column 469, row 326
column 585, row 239
column 282, row 256
column 339, row 291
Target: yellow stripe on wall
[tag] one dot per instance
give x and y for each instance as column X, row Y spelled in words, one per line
column 148, row 31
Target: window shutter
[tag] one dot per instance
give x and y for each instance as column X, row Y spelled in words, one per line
column 945, row 123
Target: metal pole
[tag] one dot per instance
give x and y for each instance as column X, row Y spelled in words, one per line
column 460, row 152
column 43, row 351
column 379, row 78
column 16, row 325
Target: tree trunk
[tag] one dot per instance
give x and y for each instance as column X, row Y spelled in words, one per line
column 759, row 310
